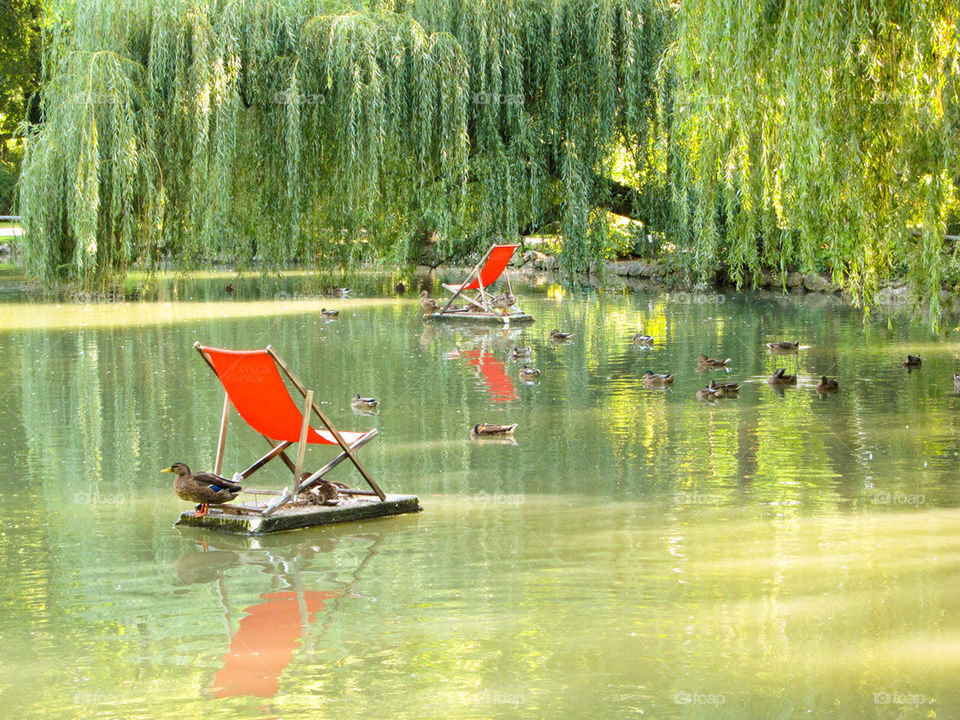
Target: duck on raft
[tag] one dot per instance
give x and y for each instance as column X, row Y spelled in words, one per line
column 428, row 304
column 204, row 488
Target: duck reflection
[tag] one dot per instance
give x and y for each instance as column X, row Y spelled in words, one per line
column 272, row 629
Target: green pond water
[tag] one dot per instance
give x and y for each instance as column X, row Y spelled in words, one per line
column 635, row 553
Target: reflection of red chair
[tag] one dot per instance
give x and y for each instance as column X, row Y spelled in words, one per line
column 483, row 275
column 494, row 372
column 264, row 643
column 254, row 386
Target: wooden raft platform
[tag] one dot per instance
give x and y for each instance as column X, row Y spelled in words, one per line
column 482, row 317
column 248, row 520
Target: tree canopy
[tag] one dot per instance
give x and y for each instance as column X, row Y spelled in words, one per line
column 767, row 134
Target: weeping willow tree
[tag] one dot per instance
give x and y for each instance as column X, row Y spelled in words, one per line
column 819, row 136
column 325, row 132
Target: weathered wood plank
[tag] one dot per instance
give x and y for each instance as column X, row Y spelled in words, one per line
column 293, row 517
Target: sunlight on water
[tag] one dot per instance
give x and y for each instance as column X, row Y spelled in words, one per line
column 631, row 552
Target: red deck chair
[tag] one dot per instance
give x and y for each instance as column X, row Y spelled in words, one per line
column 254, row 386
column 483, row 275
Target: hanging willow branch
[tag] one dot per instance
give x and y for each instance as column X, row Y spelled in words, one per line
column 818, row 135
column 327, row 132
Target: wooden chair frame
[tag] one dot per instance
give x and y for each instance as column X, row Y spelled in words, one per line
column 278, row 448
column 482, row 298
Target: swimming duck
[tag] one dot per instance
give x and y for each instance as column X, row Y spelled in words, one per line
column 337, row 292
column 503, row 302
column 724, row 389
column 784, row 346
column 329, row 313
column 204, row 488
column 520, row 352
column 708, row 362
column 781, row 378
column 651, row 379
column 363, row 402
column 428, row 304
column 557, row 335
column 913, row 361
column 490, row 429
column 706, row 394
column 641, row 339
column 230, row 289
column 827, row 385
column 529, row 372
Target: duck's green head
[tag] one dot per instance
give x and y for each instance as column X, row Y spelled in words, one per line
column 177, row 469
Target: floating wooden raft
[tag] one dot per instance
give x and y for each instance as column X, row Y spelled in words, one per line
column 249, row 518
column 483, row 317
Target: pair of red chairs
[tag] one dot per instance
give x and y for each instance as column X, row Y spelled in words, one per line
column 255, row 387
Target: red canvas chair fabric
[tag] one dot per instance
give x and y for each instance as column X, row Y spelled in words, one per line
column 257, row 391
column 492, row 269
column 485, row 274
column 255, row 387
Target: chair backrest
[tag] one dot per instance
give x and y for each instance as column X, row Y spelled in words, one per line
column 497, row 260
column 256, row 389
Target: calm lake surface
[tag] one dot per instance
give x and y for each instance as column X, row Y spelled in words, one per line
column 636, row 553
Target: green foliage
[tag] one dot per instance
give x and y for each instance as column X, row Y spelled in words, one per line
column 821, row 135
column 327, row 132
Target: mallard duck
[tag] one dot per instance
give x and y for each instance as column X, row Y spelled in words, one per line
column 652, row 379
column 229, row 289
column 913, row 361
column 781, row 378
column 204, row 488
column 322, row 492
column 558, row 335
column 707, row 394
column 337, row 292
column 428, row 304
column 503, row 302
column 520, row 352
column 827, row 385
column 784, row 346
column 363, row 402
column 329, row 313
column 529, row 372
column 400, row 288
column 708, row 362
column 724, row 389
column 641, row 339
column 490, row 429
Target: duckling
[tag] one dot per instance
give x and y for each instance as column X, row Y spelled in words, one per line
column 329, row 313
column 708, row 362
column 913, row 361
column 827, row 385
column 490, row 429
column 651, row 379
column 520, row 352
column 503, row 302
column 204, row 488
column 725, row 390
column 529, row 372
column 780, row 378
column 557, row 335
column 644, row 340
column 428, row 304
column 784, row 346
column 363, row 402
